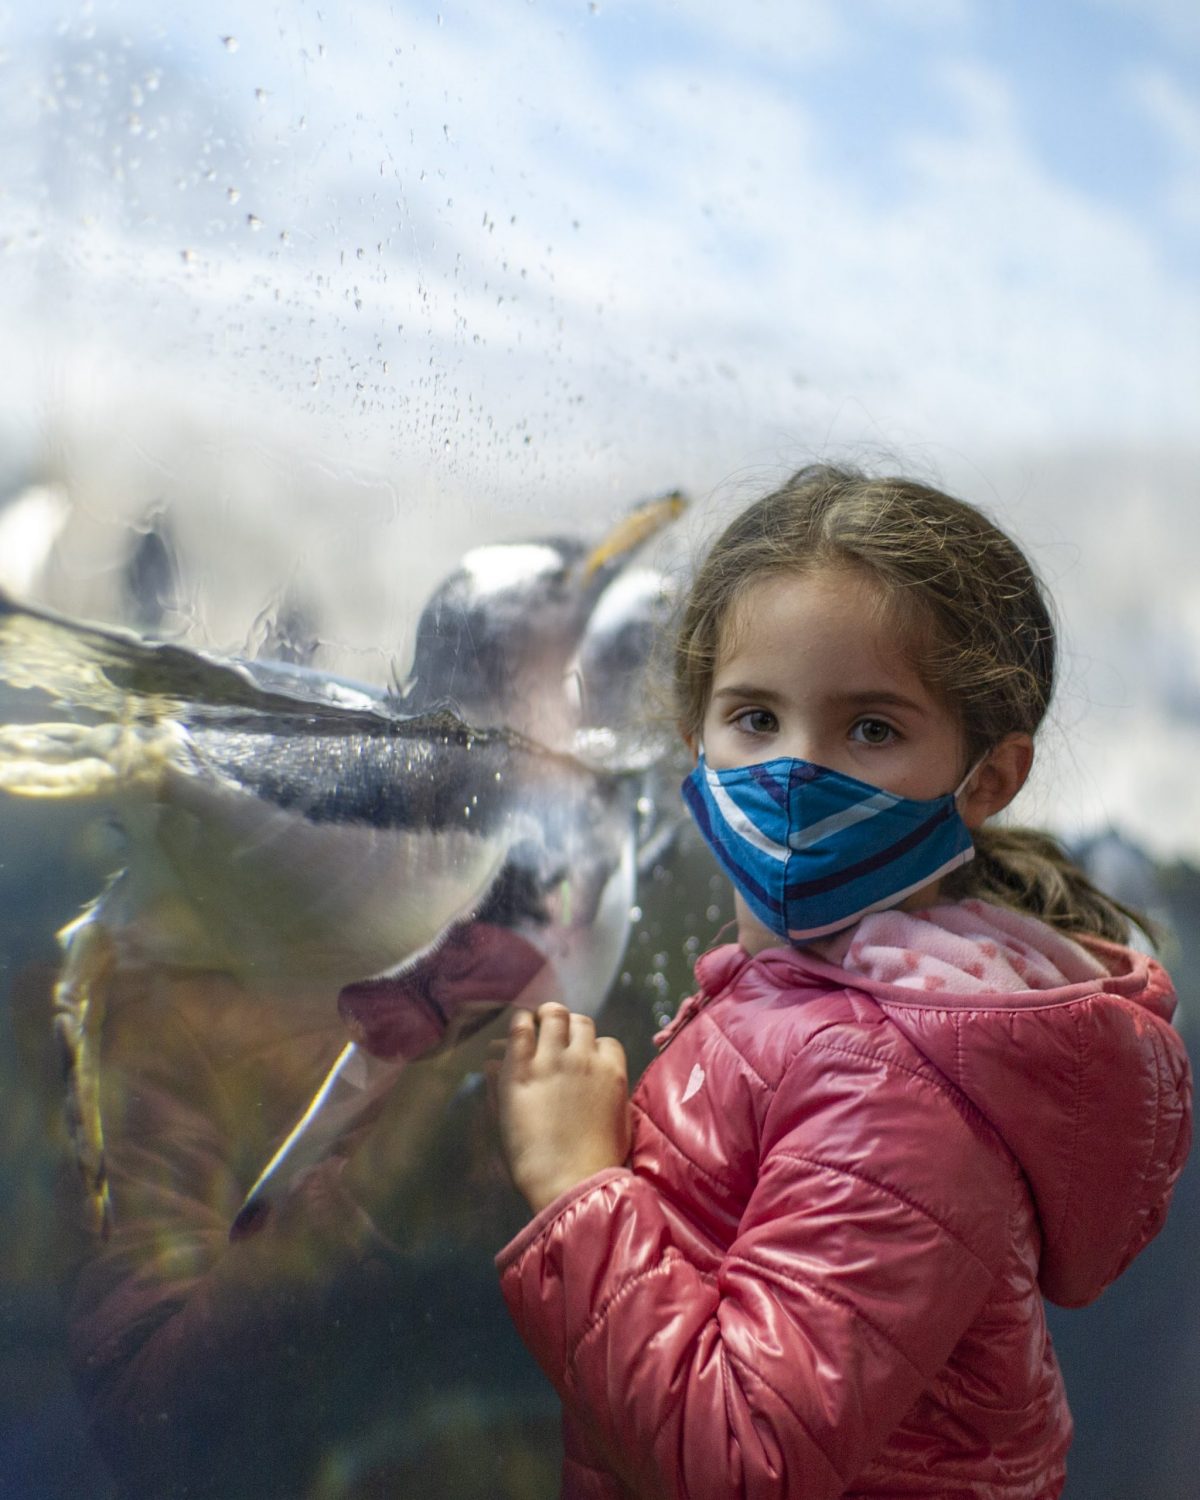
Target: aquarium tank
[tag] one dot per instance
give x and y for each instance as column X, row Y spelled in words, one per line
column 372, row 378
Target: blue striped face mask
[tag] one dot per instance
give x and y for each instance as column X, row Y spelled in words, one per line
column 812, row 850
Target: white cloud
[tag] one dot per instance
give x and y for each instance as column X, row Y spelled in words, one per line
column 1176, row 114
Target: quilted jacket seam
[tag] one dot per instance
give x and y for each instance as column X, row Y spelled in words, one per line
column 893, row 1192
column 671, row 1410
column 1143, row 1209
column 930, row 1074
column 1019, row 1490
column 749, row 1370
column 670, row 1254
column 670, row 1140
column 927, row 1073
column 1160, row 1067
column 811, row 1284
column 743, row 1059
column 1069, row 1190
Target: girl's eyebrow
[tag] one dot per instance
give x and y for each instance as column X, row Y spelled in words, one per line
column 747, row 690
column 874, row 697
column 860, row 698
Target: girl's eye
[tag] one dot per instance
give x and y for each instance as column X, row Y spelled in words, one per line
column 756, row 721
column 873, row 732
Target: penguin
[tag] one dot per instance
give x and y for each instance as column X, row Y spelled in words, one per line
column 419, row 859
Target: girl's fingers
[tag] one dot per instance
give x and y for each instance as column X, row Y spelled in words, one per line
column 611, row 1049
column 583, row 1030
column 553, row 1026
column 522, row 1039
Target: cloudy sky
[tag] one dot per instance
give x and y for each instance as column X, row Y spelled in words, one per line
column 372, row 282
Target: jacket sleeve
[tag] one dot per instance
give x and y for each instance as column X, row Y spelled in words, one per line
column 867, row 1247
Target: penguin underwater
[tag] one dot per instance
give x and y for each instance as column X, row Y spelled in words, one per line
column 419, row 859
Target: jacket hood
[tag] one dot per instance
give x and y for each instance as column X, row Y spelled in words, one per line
column 1088, row 1085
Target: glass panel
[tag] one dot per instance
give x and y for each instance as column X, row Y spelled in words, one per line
column 301, row 304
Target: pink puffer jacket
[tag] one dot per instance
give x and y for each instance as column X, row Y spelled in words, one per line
column 823, row 1273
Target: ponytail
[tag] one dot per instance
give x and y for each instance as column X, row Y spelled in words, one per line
column 1031, row 872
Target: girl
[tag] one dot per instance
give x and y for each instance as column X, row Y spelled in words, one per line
column 925, row 1088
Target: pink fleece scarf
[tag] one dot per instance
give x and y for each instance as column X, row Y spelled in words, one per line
column 963, row 948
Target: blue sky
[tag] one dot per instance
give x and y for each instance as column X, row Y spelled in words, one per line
column 520, row 261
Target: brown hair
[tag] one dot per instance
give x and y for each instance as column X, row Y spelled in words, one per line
column 973, row 615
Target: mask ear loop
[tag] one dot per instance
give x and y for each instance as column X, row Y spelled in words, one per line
column 962, row 785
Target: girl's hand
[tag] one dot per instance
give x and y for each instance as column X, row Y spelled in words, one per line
column 562, row 1099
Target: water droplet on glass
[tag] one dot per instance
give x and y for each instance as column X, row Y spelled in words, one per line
column 230, row 43
column 712, row 913
column 260, row 95
column 232, row 194
column 188, row 257
column 635, row 913
column 253, row 222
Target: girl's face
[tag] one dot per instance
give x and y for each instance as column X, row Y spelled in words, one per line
column 810, row 670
